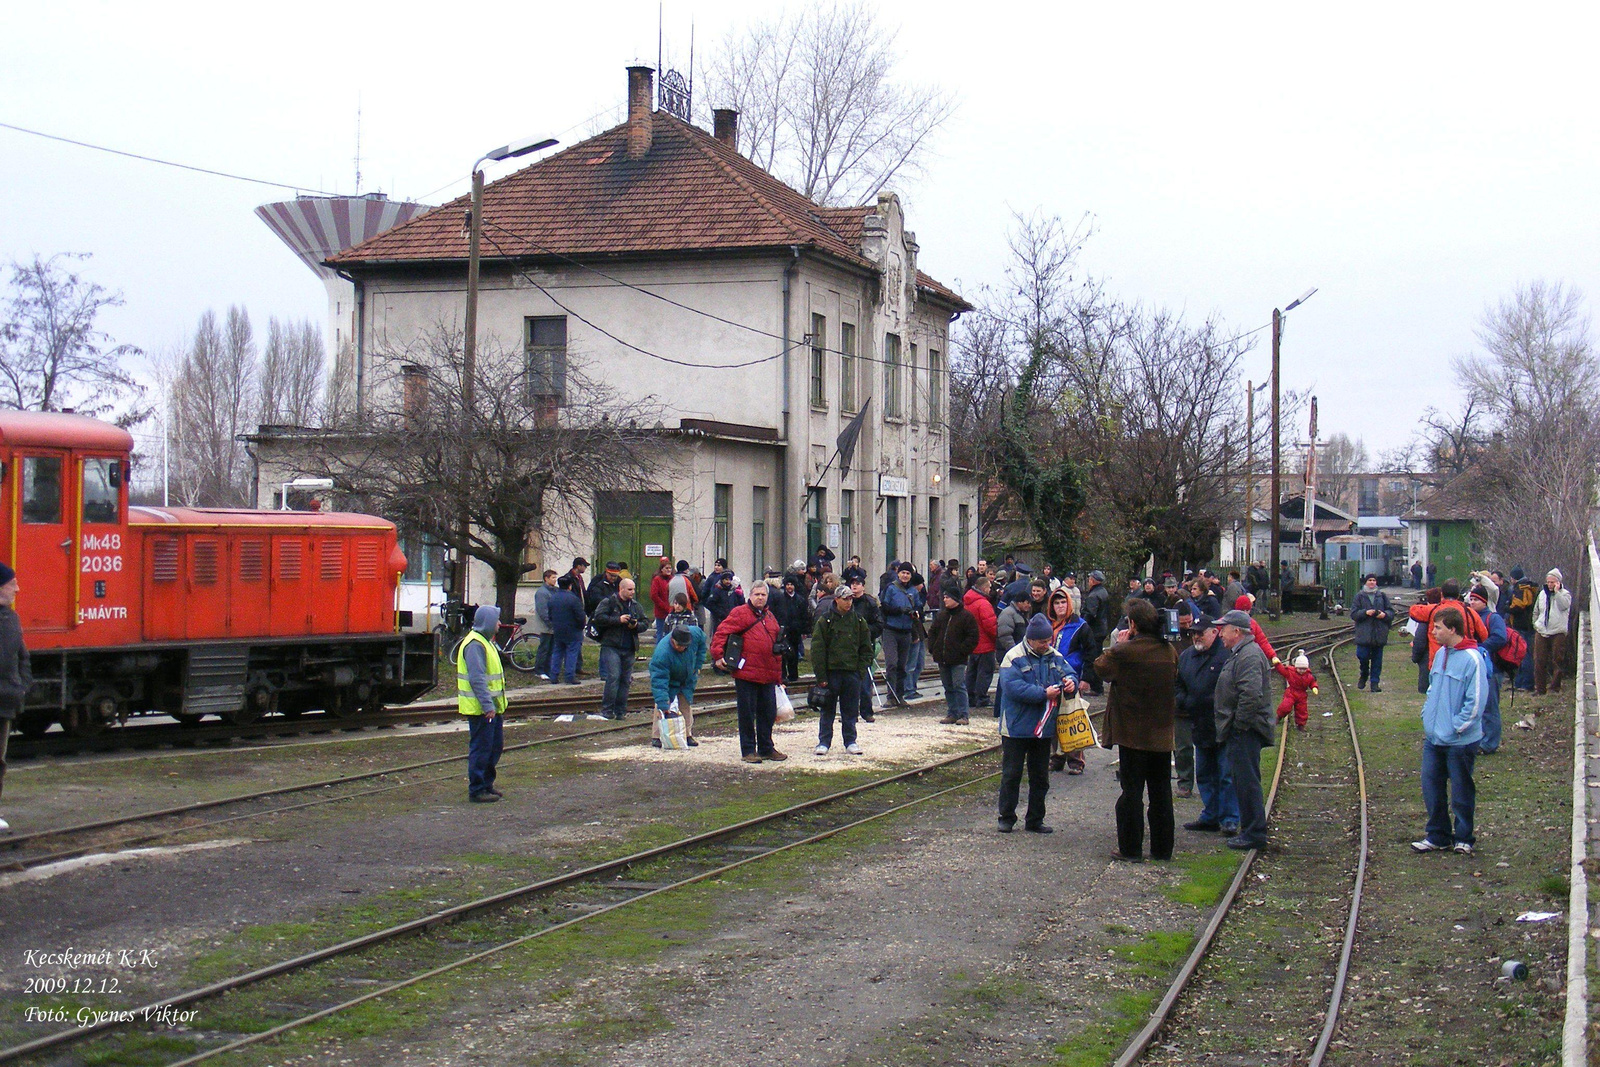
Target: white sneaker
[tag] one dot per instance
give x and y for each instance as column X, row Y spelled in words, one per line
column 596, row 718
column 820, row 750
column 854, row 750
column 5, row 827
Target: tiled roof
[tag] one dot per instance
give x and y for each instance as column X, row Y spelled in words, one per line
column 690, row 193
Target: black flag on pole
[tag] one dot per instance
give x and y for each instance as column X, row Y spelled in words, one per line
column 848, row 437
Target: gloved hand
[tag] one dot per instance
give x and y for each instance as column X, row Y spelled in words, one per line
column 1313, row 690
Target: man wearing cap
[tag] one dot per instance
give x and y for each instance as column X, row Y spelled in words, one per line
column 1069, row 582
column 1244, row 719
column 675, row 670
column 605, row 585
column 1198, row 668
column 16, row 670
column 841, row 651
column 1033, row 677
column 1096, row 611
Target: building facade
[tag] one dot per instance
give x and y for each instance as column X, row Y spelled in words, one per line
column 751, row 324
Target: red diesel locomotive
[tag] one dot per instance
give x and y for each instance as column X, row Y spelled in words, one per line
column 189, row 611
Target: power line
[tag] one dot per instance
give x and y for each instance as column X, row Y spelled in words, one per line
column 163, row 162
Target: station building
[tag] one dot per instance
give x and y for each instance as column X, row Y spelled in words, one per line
column 783, row 320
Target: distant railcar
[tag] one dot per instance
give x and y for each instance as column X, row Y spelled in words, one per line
column 190, row 611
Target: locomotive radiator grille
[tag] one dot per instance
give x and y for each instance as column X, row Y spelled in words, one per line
column 215, row 679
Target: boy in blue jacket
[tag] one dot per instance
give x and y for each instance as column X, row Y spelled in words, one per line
column 1452, row 724
column 1033, row 677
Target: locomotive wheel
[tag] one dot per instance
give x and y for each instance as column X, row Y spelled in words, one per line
column 33, row 723
column 99, row 709
column 259, row 700
column 523, row 654
column 343, row 702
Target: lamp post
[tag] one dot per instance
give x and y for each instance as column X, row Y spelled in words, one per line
column 469, row 343
column 1277, row 339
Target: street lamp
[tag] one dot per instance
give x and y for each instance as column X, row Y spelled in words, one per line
column 469, row 343
column 1277, row 340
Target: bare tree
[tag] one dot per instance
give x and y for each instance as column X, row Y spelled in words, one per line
column 291, row 374
column 527, row 460
column 1534, row 384
column 52, row 353
column 819, row 105
column 213, row 401
column 1340, row 462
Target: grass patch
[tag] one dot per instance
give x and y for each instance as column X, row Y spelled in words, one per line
column 1206, row 877
column 1098, row 1045
column 1157, row 953
column 1555, row 885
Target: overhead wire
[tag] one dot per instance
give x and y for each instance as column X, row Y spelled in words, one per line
column 163, row 162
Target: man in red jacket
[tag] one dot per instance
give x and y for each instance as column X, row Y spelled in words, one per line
column 756, row 672
column 661, row 595
column 980, row 668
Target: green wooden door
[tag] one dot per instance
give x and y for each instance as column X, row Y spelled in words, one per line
column 634, row 529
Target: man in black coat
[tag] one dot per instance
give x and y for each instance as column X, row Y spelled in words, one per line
column 16, row 671
column 618, row 618
column 1096, row 614
column 1198, row 667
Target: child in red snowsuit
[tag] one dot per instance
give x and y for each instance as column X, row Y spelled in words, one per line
column 1300, row 680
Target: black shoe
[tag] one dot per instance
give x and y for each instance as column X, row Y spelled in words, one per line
column 483, row 798
column 1243, row 844
column 494, row 791
column 1120, row 858
column 867, row 716
column 1203, row 826
column 1006, row 827
column 655, row 742
column 691, row 742
column 1039, row 829
column 1376, row 688
column 1058, row 763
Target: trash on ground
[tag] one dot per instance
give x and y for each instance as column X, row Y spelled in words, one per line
column 1537, row 916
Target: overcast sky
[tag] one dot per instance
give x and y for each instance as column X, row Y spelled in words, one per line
column 1415, row 163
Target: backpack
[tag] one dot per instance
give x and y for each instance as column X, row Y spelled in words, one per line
column 1515, row 650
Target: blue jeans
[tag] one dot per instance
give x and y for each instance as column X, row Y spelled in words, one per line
column 616, row 667
column 896, row 653
column 1370, row 657
column 914, row 663
column 1244, row 760
column 661, row 627
column 954, row 678
column 485, row 739
column 980, row 672
column 1448, row 789
column 1524, row 678
column 564, row 660
column 846, row 686
column 1214, row 779
column 1491, row 715
column 541, row 659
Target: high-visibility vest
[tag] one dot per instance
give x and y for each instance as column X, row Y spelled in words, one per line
column 466, row 700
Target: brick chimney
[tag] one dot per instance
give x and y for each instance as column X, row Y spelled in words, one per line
column 641, row 101
column 725, row 126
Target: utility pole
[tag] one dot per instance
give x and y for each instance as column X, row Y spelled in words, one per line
column 1273, row 582
column 469, row 359
column 1249, row 472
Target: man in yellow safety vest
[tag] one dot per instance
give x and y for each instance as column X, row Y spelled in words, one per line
column 481, row 696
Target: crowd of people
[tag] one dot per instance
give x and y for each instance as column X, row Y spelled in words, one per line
column 1189, row 669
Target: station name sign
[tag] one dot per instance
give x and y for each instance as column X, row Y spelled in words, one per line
column 889, row 485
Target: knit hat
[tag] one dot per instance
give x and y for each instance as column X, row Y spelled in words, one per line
column 1244, row 603
column 1517, row 574
column 1479, row 593
column 1554, row 572
column 1300, row 661
column 6, row 574
column 1039, row 629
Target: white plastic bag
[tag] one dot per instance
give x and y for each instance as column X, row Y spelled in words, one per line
column 785, row 706
column 674, row 734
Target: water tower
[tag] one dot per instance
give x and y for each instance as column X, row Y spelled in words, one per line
column 316, row 227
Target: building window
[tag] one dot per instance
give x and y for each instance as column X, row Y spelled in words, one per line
column 546, row 346
column 847, row 367
column 891, row 536
column 963, row 524
column 424, row 559
column 758, row 532
column 819, row 362
column 935, row 388
column 911, row 367
column 816, row 517
column 723, row 513
column 847, row 518
column 413, row 395
column 893, row 404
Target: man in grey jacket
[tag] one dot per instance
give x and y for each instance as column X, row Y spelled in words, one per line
column 540, row 624
column 16, row 673
column 1244, row 721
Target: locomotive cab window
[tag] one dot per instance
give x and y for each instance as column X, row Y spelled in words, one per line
column 41, row 489
column 102, row 479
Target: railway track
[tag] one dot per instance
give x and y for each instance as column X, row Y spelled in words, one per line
column 502, row 921
column 1342, row 771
